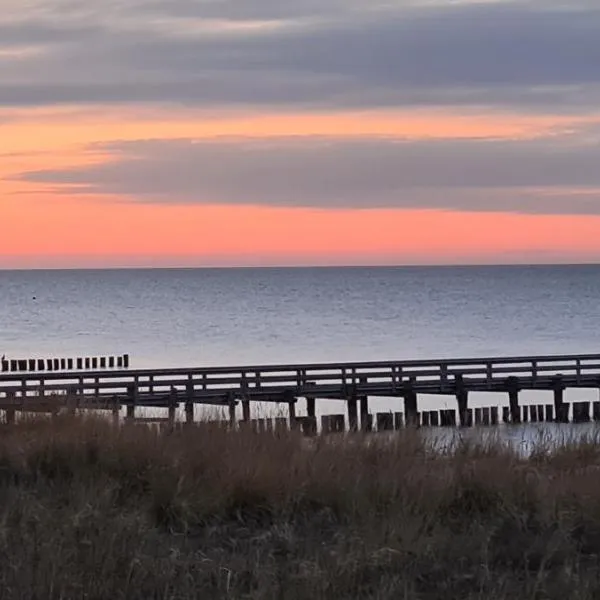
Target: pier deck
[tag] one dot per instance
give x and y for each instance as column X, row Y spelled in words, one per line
column 351, row 382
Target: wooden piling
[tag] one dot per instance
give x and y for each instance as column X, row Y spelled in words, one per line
column 561, row 410
column 365, row 422
column 411, row 408
column 596, row 411
column 398, row 421
column 513, row 400
column 434, row 418
column 533, row 413
column 132, row 396
column 246, row 410
column 549, row 413
column 540, row 413
column 385, row 421
column 352, row 414
column 115, row 410
column 581, row 412
column 333, row 424
column 231, row 405
column 448, row 418
column 485, row 416
column 10, row 411
column 173, row 404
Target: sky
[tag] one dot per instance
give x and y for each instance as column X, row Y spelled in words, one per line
column 298, row 132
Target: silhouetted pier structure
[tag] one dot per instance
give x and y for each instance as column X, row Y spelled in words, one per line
column 350, row 383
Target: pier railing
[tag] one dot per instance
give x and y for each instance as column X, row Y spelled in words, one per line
column 275, row 383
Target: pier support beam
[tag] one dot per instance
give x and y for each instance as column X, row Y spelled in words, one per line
column 561, row 410
column 365, row 421
column 132, row 394
column 310, row 407
column 410, row 408
column 172, row 406
column 115, row 411
column 513, row 399
column 352, row 415
column 462, row 399
column 189, row 412
column 246, row 411
column 232, row 419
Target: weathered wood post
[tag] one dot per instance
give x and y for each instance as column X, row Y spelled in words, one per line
column 290, row 399
column 366, row 424
column 10, row 410
column 116, row 410
column 352, row 413
column 410, row 405
column 309, row 425
column 246, row 413
column 231, row 403
column 512, row 385
column 132, row 396
column 173, row 404
column 561, row 410
column 462, row 399
column 189, row 401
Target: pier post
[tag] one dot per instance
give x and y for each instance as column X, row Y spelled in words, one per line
column 232, row 404
column 462, row 399
column 290, row 399
column 115, row 410
column 561, row 410
column 352, row 414
column 132, row 393
column 246, row 411
column 10, row 411
column 310, row 407
column 189, row 401
column 513, row 399
column 172, row 406
column 365, row 421
column 410, row 407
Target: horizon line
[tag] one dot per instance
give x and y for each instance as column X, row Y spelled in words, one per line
column 303, row 266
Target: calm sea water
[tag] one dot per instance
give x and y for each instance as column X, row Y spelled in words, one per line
column 193, row 317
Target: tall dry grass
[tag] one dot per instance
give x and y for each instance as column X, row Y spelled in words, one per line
column 89, row 511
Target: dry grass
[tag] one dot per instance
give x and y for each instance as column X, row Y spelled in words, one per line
column 88, row 511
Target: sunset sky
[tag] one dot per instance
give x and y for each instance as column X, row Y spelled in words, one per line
column 298, row 132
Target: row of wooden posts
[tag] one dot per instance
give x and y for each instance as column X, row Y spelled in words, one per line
column 30, row 365
column 582, row 412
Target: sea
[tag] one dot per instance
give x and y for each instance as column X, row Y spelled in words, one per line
column 252, row 316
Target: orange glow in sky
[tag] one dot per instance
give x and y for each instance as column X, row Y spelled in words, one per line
column 41, row 225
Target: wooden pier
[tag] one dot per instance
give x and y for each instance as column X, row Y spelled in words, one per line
column 351, row 383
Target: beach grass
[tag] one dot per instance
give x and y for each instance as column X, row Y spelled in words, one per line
column 89, row 510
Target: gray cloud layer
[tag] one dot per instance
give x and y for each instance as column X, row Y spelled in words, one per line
column 333, row 172
column 331, row 54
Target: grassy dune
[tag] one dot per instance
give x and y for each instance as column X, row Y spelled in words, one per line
column 89, row 511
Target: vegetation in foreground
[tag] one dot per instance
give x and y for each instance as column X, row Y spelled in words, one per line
column 91, row 511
